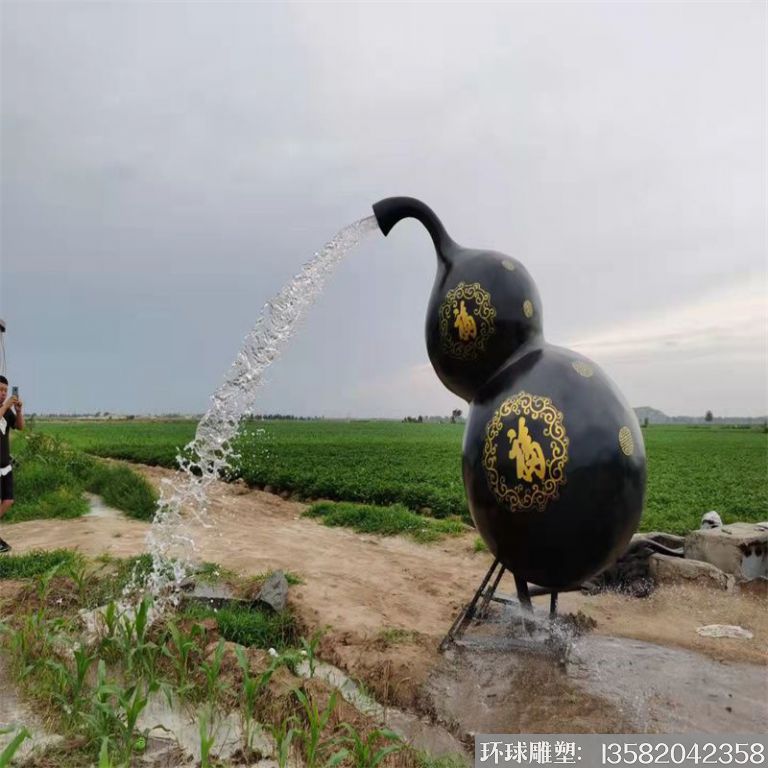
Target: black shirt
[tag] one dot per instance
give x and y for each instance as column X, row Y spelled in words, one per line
column 5, row 442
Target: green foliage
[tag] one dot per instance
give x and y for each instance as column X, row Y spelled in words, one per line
column 369, row 751
column 694, row 469
column 690, row 469
column 123, row 489
column 397, row 635
column 156, row 443
column 386, row 521
column 252, row 688
column 284, row 733
column 250, row 626
column 6, row 756
column 50, row 477
column 317, row 750
column 34, row 563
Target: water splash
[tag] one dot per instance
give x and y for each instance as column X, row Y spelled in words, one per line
column 208, row 456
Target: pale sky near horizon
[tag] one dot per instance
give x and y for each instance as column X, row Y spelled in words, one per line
column 166, row 167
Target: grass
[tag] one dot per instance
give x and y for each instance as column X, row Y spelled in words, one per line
column 396, row 636
column 385, row 521
column 251, row 627
column 51, row 476
column 691, row 469
column 123, row 489
column 34, row 563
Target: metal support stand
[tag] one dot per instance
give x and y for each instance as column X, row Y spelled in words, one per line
column 468, row 612
column 485, row 594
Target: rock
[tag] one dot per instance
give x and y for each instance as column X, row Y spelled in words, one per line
column 268, row 489
column 274, row 592
column 630, row 573
column 214, row 595
column 425, row 511
column 740, row 549
column 285, row 495
column 659, row 540
column 667, row 569
column 725, row 630
column 710, row 520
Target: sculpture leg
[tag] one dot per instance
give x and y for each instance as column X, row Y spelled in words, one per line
column 553, row 605
column 468, row 613
column 523, row 595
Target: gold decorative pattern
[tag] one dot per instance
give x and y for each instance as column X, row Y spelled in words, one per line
column 583, row 369
column 626, row 442
column 540, row 469
column 508, row 264
column 528, row 308
column 467, row 321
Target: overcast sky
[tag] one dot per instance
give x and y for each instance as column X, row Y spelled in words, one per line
column 167, row 166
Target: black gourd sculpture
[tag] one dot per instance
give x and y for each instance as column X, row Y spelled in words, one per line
column 553, row 456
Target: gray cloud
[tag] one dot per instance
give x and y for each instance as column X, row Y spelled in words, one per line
column 167, row 166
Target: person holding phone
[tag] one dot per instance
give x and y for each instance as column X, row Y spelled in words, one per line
column 11, row 417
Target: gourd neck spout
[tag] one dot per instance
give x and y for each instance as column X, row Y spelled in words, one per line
column 390, row 210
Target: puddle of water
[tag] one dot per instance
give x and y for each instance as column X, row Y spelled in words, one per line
column 601, row 684
column 97, row 508
column 417, row 731
column 173, row 723
column 674, row 690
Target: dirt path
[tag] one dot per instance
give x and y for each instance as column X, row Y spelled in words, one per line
column 361, row 587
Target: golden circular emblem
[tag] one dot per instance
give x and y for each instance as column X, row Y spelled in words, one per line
column 626, row 442
column 528, row 308
column 467, row 321
column 525, row 452
column 508, row 264
column 582, row 368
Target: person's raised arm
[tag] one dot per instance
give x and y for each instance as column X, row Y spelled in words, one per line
column 19, row 414
column 5, row 406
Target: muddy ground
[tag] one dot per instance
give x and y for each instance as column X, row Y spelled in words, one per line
column 387, row 602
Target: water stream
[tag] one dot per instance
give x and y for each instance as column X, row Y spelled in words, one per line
column 209, row 455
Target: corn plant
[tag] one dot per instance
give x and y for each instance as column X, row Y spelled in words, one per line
column 252, row 687
column 309, row 648
column 13, row 746
column 104, row 759
column 283, row 734
column 179, row 650
column 77, row 570
column 115, row 712
column 101, row 719
column 108, row 645
column 214, row 686
column 368, row 752
column 315, row 746
column 69, row 683
column 43, row 585
column 207, row 738
column 33, row 642
column 139, row 653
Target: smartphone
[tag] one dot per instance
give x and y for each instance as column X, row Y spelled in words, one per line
column 14, row 391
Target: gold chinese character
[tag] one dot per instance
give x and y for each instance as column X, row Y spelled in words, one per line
column 527, row 453
column 465, row 323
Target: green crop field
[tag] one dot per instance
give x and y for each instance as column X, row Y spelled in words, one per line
column 690, row 469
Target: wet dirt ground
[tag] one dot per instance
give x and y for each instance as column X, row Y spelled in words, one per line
column 387, row 602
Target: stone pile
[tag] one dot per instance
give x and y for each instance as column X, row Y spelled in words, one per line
column 720, row 556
